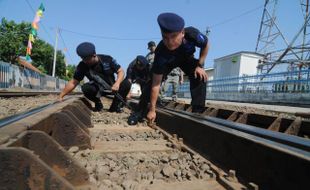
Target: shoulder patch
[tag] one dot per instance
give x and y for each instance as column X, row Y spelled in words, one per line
column 200, row 38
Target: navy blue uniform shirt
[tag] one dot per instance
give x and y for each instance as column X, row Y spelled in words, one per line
column 105, row 68
column 166, row 60
column 134, row 73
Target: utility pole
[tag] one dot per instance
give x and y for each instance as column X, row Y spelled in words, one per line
column 55, row 52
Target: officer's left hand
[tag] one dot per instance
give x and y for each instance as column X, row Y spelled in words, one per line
column 115, row 87
column 200, row 72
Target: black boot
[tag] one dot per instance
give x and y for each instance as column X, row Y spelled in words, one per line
column 98, row 106
column 198, row 109
column 116, row 106
column 134, row 118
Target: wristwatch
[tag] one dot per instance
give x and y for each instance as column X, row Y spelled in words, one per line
column 199, row 65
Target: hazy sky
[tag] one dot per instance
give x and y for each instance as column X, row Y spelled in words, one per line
column 122, row 28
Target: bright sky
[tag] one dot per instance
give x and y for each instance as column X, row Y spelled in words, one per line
column 122, row 28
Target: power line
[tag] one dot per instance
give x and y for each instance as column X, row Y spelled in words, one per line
column 63, row 41
column 237, row 17
column 33, row 10
column 108, row 37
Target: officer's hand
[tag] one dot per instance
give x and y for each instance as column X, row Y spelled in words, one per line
column 151, row 115
column 181, row 81
column 128, row 97
column 115, row 87
column 200, row 72
column 60, row 99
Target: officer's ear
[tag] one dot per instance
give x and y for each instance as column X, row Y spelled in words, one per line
column 183, row 32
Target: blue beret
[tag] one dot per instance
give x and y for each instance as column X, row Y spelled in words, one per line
column 170, row 22
column 151, row 43
column 143, row 61
column 86, row 49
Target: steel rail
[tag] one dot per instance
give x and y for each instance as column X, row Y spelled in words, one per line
column 293, row 143
column 8, row 94
column 13, row 118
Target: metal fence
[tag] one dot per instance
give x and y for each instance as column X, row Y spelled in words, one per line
column 284, row 87
column 12, row 76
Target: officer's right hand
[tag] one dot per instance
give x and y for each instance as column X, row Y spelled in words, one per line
column 151, row 115
column 115, row 87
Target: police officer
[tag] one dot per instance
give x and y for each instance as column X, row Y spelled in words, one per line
column 176, row 49
column 174, row 78
column 151, row 46
column 97, row 67
column 138, row 71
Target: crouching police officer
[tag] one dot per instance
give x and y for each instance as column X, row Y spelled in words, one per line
column 176, row 49
column 138, row 72
column 100, row 70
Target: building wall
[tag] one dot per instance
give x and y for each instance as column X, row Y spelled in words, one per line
column 227, row 66
column 237, row 64
column 248, row 64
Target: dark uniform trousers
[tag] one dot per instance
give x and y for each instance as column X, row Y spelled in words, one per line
column 91, row 89
column 197, row 86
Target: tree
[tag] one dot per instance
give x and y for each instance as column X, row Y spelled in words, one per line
column 42, row 57
column 13, row 43
column 60, row 65
column 70, row 72
column 13, row 40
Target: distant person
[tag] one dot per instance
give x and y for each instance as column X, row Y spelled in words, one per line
column 174, row 78
column 138, row 72
column 98, row 67
column 176, row 49
column 151, row 46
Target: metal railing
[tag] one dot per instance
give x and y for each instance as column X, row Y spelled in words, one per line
column 292, row 82
column 12, row 76
column 284, row 87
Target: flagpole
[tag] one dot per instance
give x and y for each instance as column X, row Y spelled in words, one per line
column 55, row 52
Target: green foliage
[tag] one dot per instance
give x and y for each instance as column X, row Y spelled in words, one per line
column 70, row 72
column 60, row 65
column 13, row 43
column 13, row 40
column 41, row 68
column 42, row 56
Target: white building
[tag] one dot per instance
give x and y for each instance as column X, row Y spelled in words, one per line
column 237, row 64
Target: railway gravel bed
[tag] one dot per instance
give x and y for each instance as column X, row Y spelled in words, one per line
column 15, row 105
column 138, row 157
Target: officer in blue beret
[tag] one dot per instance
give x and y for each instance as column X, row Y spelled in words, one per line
column 98, row 68
column 138, row 72
column 176, row 49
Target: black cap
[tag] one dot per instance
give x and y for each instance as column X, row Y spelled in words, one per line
column 151, row 44
column 170, row 22
column 85, row 49
column 141, row 61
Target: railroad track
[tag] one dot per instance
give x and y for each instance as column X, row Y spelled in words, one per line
column 66, row 146
column 9, row 94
